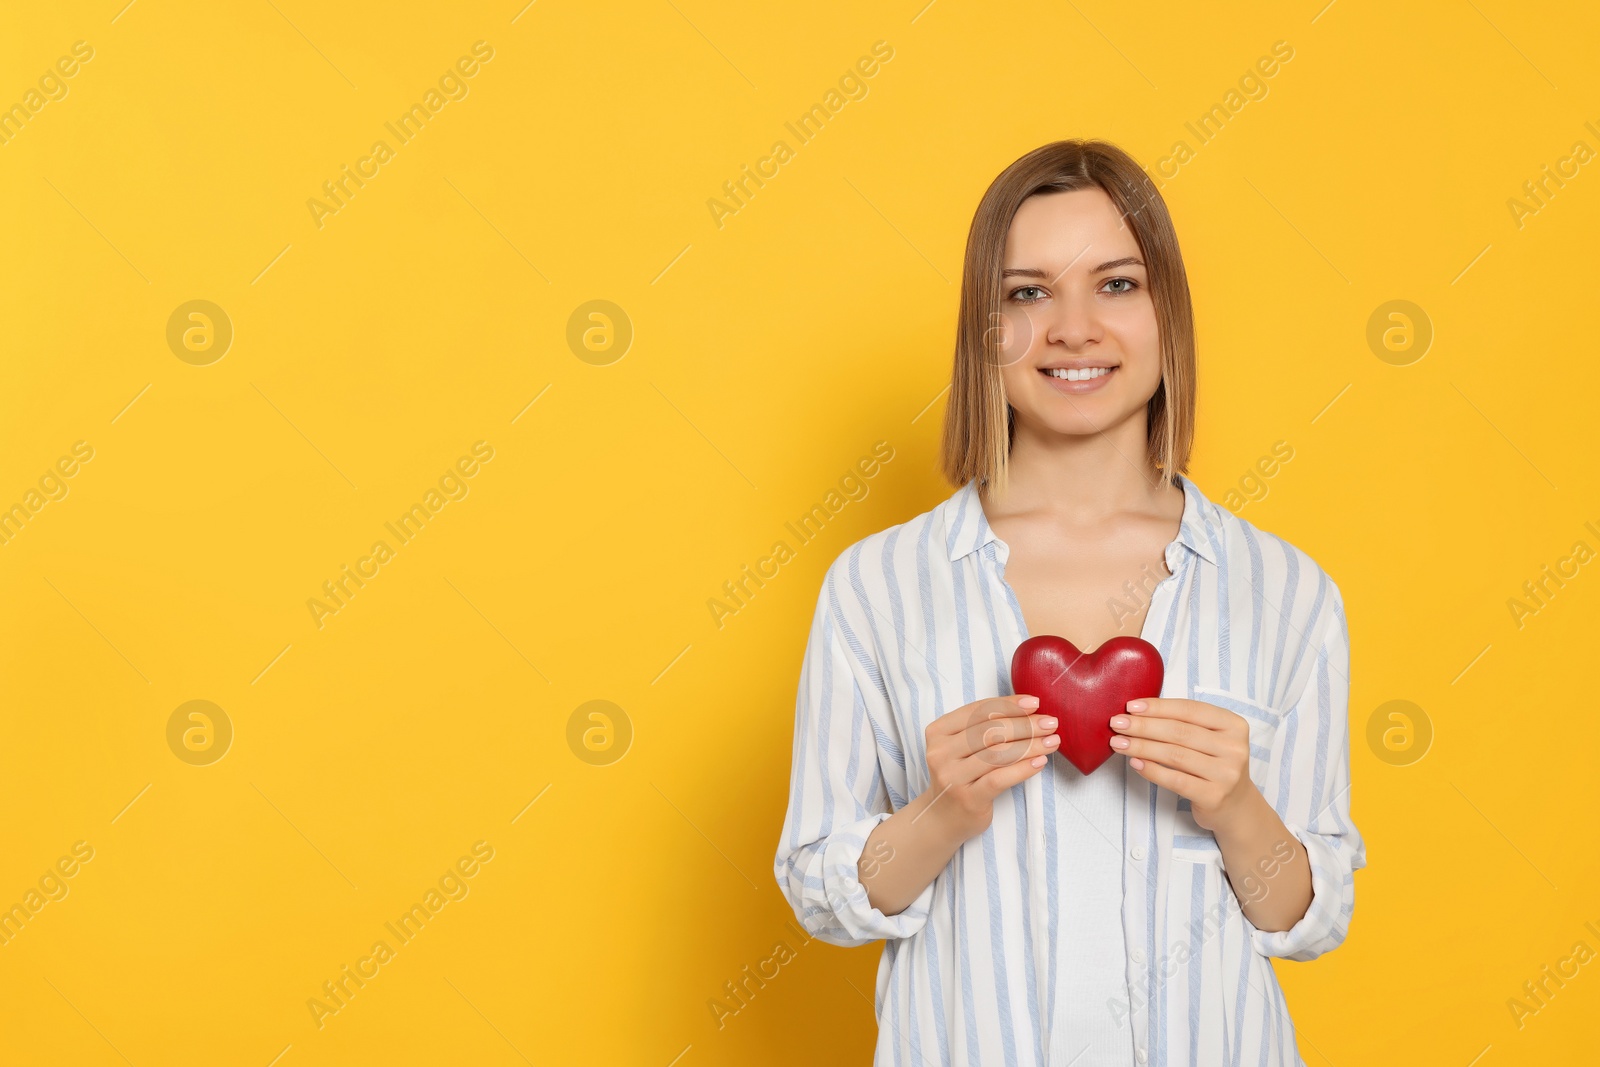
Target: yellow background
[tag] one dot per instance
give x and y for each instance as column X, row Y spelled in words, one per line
column 768, row 355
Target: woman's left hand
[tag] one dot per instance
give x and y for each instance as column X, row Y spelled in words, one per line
column 1195, row 749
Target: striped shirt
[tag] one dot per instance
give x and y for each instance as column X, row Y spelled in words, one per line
column 991, row 964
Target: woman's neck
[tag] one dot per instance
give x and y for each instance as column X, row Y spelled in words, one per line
column 1082, row 478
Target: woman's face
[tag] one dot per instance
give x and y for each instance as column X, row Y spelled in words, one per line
column 1075, row 297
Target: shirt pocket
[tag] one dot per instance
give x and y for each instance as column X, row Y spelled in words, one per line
column 1191, row 842
column 1262, row 720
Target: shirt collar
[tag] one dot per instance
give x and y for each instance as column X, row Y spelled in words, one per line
column 967, row 527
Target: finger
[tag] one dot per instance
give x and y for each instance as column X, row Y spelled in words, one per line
column 1043, row 724
column 1185, row 785
column 1196, row 711
column 1013, row 704
column 968, row 766
column 988, row 732
column 1001, row 707
column 999, row 779
column 998, row 719
column 1187, row 760
column 1173, row 731
column 1009, row 752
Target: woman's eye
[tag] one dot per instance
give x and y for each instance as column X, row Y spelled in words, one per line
column 1015, row 294
column 1129, row 282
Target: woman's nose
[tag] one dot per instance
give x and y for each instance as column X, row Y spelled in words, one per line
column 1073, row 320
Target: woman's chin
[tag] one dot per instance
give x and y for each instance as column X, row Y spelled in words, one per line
column 1079, row 414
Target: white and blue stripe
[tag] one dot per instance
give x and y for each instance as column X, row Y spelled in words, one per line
column 1093, row 915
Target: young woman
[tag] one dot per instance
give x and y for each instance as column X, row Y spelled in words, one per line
column 1031, row 914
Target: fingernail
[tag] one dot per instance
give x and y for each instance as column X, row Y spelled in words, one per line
column 1136, row 705
column 1028, row 702
column 1047, row 721
column 1038, row 761
column 1052, row 741
column 1119, row 722
column 1119, row 742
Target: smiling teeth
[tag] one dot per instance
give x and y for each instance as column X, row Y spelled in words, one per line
column 1084, row 375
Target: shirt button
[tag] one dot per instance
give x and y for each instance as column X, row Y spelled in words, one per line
column 1138, row 955
column 1137, row 852
column 1140, row 1053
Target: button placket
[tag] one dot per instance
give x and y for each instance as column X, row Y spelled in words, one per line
column 998, row 552
column 1141, row 794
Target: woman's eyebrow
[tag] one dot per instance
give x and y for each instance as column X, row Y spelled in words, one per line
column 1034, row 272
column 1113, row 264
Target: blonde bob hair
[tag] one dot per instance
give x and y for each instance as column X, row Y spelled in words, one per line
column 978, row 423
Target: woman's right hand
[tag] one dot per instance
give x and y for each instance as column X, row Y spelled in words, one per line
column 980, row 750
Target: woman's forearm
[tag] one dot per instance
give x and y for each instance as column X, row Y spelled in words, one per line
column 906, row 852
column 1266, row 864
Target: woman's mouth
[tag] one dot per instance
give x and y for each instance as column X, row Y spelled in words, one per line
column 1073, row 381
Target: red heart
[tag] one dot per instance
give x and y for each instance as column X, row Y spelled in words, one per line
column 1083, row 690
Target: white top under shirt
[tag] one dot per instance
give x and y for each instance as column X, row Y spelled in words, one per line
column 1094, row 963
column 1038, row 939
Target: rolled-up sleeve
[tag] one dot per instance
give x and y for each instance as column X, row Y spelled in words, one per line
column 1309, row 787
column 837, row 794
